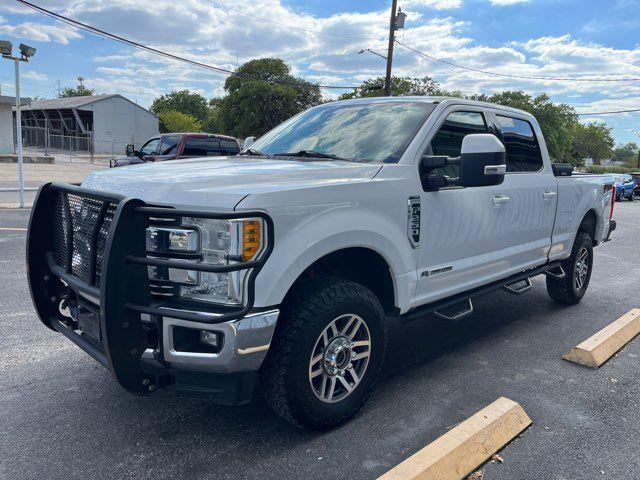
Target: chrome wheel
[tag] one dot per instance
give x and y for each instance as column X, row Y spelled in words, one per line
column 581, row 269
column 340, row 358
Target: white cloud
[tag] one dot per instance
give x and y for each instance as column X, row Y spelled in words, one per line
column 33, row 75
column 437, row 4
column 41, row 32
column 502, row 3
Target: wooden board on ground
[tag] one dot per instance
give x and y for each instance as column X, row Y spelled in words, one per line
column 599, row 348
column 465, row 447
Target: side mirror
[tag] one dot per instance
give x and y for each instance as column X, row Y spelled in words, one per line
column 483, row 161
column 248, row 142
column 130, row 149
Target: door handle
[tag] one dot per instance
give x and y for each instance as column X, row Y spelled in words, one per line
column 499, row 200
column 549, row 194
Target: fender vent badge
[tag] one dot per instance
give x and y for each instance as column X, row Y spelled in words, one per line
column 413, row 221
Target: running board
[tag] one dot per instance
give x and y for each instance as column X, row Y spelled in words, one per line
column 444, row 305
column 556, row 272
column 517, row 289
column 456, row 315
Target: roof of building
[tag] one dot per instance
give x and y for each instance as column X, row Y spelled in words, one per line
column 6, row 100
column 73, row 102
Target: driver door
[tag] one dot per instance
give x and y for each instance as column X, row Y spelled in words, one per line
column 462, row 229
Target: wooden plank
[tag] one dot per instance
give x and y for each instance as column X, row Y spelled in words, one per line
column 465, row 447
column 599, row 348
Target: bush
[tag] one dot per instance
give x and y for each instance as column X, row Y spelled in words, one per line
column 173, row 121
column 601, row 169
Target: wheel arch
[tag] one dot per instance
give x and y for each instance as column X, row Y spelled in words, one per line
column 362, row 265
column 589, row 223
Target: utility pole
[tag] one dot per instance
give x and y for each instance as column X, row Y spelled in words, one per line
column 638, row 133
column 395, row 23
column 392, row 33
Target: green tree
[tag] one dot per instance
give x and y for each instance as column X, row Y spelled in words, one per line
column 79, row 91
column 593, row 140
column 400, row 87
column 627, row 153
column 261, row 94
column 211, row 123
column 184, row 101
column 556, row 121
column 174, row 121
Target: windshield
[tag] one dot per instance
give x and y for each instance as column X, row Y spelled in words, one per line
column 371, row 132
column 618, row 177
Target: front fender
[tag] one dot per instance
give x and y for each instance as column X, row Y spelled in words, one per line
column 306, row 234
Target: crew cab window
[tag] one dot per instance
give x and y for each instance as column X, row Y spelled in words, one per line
column 209, row 146
column 523, row 151
column 169, row 144
column 448, row 140
column 150, row 147
column 229, row 146
column 202, row 146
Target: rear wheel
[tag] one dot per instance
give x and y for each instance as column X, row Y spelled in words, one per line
column 326, row 354
column 571, row 288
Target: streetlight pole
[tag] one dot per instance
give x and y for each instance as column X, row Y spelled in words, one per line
column 26, row 52
column 19, row 132
column 392, row 32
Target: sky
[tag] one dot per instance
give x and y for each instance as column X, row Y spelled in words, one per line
column 320, row 40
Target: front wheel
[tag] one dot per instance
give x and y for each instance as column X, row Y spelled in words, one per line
column 326, row 354
column 571, row 288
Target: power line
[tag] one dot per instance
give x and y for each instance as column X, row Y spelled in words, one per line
column 313, row 32
column 522, row 77
column 126, row 41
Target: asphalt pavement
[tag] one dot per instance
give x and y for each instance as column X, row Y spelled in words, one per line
column 63, row 417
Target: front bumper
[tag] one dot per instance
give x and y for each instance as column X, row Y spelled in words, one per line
column 109, row 311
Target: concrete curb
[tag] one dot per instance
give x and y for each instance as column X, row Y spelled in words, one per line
column 599, row 348
column 464, row 448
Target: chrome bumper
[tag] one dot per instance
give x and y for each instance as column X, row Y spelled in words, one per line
column 245, row 344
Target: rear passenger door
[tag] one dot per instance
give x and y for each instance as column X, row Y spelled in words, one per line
column 529, row 193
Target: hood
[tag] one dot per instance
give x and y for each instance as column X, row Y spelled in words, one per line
column 124, row 160
column 224, row 181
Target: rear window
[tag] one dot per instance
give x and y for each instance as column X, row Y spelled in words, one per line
column 523, row 151
column 209, row 146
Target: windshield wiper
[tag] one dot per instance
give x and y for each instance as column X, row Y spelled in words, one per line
column 309, row 154
column 252, row 152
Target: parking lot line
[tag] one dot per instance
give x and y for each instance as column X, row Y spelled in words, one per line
column 464, row 448
column 599, row 348
column 13, row 229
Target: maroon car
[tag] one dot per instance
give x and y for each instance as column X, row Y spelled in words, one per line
column 171, row 146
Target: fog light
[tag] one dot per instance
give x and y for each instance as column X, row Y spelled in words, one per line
column 211, row 339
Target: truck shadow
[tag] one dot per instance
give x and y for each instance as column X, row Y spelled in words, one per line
column 420, row 342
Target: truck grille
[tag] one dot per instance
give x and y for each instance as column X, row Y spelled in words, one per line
column 81, row 227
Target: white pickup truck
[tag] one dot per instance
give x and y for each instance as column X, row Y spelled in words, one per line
column 283, row 263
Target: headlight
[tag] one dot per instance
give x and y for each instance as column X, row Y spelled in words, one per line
column 209, row 241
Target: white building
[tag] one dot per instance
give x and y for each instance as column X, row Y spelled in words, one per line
column 6, row 123
column 98, row 123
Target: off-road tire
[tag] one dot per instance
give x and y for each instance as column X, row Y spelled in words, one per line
column 284, row 375
column 563, row 290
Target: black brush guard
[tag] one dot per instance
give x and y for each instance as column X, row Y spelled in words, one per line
column 123, row 288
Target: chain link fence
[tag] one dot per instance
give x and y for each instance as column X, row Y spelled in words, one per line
column 72, row 148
